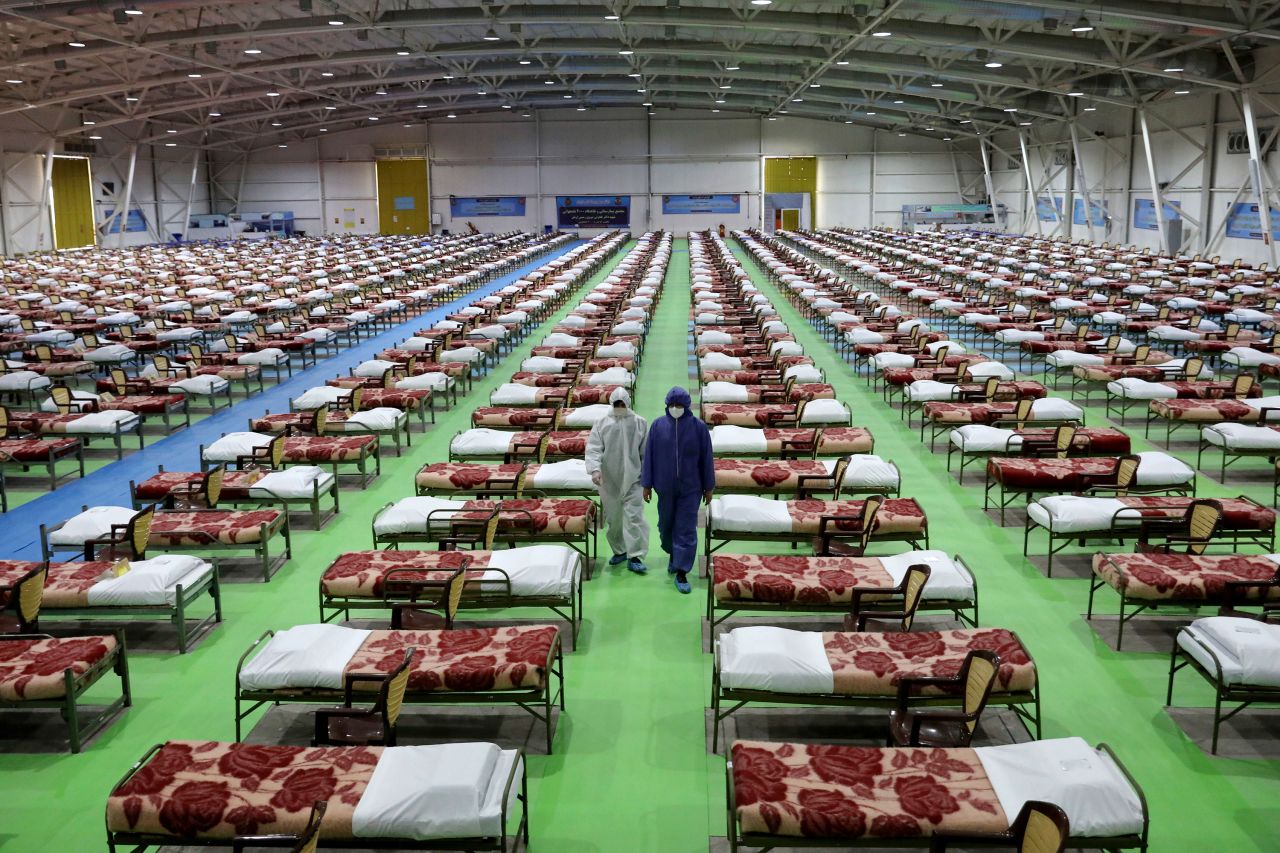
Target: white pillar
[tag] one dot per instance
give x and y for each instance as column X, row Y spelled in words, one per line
column 122, row 212
column 1084, row 182
column 191, row 192
column 1255, row 174
column 991, row 187
column 1032, row 201
column 46, row 198
column 1157, row 197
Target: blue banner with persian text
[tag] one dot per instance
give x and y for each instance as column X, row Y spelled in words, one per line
column 507, row 205
column 714, row 203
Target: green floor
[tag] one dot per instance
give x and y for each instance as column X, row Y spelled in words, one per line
column 631, row 770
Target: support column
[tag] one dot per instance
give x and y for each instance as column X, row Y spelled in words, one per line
column 1084, row 182
column 5, row 215
column 191, row 192
column 1208, row 168
column 1157, row 198
column 46, row 196
column 122, row 211
column 1256, row 175
column 991, row 187
column 1032, row 201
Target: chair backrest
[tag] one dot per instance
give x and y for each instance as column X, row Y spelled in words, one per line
column 979, row 669
column 1063, row 437
column 1242, row 385
column 1233, row 329
column 120, row 380
column 1191, row 368
column 452, row 598
column 62, row 398
column 320, row 417
column 1082, row 333
column 1041, row 828
column 1022, row 413
column 354, row 400
column 275, row 452
column 309, row 840
column 196, row 352
column 1141, row 353
column 44, row 353
column 940, row 354
column 913, row 584
column 30, row 595
column 1126, row 473
column 1113, row 343
column 162, row 363
column 4, row 421
column 990, row 388
column 391, row 696
column 837, row 474
column 138, row 532
column 211, row 485
column 1059, row 321
column 1203, row 518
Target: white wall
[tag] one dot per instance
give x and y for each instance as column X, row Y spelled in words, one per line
column 161, row 183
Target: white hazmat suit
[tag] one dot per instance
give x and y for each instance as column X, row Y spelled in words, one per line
column 615, row 449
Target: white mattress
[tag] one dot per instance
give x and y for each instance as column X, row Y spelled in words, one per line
column 542, row 364
column 719, row 361
column 1075, row 514
column 824, row 412
column 892, row 360
column 103, row 423
column 803, row 373
column 23, row 380
column 303, row 656
column 1014, row 336
column 1241, row 436
column 612, row 376
column 1070, row 358
column 948, row 580
column 410, row 515
column 1131, row 388
column 235, row 444
column 536, row 570
column 1247, row 651
column 1055, row 409
column 927, row 390
column 980, row 438
column 450, row 790
column 622, row 349
column 320, row 397
column 867, row 471
column 723, row 392
column 569, row 474
column 372, row 369
column 480, row 442
column 727, row 438
column 1161, row 469
column 268, row 356
column 775, row 659
column 583, row 417
column 200, row 385
column 424, row 382
column 1249, row 357
column 513, row 394
column 92, row 523
column 1083, row 781
column 984, row 370
column 299, row 482
column 380, row 419
column 749, row 514
column 464, row 355
column 153, row 581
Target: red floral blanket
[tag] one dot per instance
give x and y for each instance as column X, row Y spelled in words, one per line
column 467, row 660
column 508, row 417
column 567, row 444
column 157, row 487
column 786, row 579
column 361, row 574
column 872, row 664
column 758, row 475
column 32, row 669
column 1155, row 577
column 1213, row 411
column 1056, row 475
column 745, row 414
column 408, row 400
column 548, row 516
column 895, row 516
column 224, row 527
column 1237, row 514
column 34, row 449
column 467, row 476
column 194, row 789
column 815, row 791
column 328, row 448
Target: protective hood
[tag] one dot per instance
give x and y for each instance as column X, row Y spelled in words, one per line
column 677, row 396
column 620, row 395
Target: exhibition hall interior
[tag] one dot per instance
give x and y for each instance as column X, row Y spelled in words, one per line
column 639, row 426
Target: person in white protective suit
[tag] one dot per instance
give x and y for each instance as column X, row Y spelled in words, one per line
column 615, row 451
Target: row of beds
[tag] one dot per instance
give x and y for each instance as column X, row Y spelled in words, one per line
column 472, row 802
column 344, row 294
column 1233, row 650
column 790, row 794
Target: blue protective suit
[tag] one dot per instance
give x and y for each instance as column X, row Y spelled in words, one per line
column 678, row 466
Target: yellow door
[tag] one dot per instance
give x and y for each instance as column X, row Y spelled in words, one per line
column 790, row 219
column 403, row 201
column 72, row 204
column 793, row 175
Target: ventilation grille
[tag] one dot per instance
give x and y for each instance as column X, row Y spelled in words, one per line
column 1238, row 141
column 400, row 152
column 79, row 148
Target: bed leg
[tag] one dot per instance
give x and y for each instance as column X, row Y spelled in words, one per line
column 69, row 711
column 1217, row 718
column 1120, row 632
column 1173, row 670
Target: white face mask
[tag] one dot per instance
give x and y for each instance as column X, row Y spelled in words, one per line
column 675, row 411
column 618, row 411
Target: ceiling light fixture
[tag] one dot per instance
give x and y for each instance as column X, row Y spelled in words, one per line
column 282, row 146
column 491, row 35
column 1075, row 94
column 451, row 115
column 330, row 108
column 626, row 51
column 870, row 113
column 881, row 34
column 326, row 73
column 336, row 23
column 273, row 94
column 936, row 85
column 1182, row 91
column 14, row 82
column 1082, row 25
column 324, row 130
column 95, row 137
column 132, row 10
column 75, row 43
column 195, row 76
column 373, row 118
column 419, row 106
column 1173, row 70
column 276, row 124
column 526, row 61
column 402, row 53
column 211, row 115
column 734, row 67
column 611, row 17
column 171, row 145
column 994, row 63
column 1090, row 109
column 761, row 2
column 252, row 51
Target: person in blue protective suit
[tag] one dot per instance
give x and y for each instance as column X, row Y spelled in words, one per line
column 679, row 467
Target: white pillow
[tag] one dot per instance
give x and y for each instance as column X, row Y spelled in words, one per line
column 93, row 523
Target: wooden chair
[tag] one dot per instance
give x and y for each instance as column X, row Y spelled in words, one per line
column 376, row 726
column 125, row 541
column 417, row 616
column 945, row 727
column 1040, row 827
column 308, row 841
column 28, row 594
column 1194, row 531
column 67, row 403
column 200, row 494
column 911, row 591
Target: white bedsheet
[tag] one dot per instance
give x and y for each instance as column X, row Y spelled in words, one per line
column 513, row 394
column 105, row 423
column 299, row 482
column 824, row 412
column 151, row 581
column 727, row 438
column 320, row 397
column 410, row 515
column 1241, row 436
column 200, row 385
column 612, row 376
column 1161, row 469
column 621, row 349
column 1055, row 409
column 723, row 392
column 542, row 364
column 748, row 513
column 480, row 442
column 980, row 438
column 1083, row 781
column 92, row 523
column 776, row 659
column 1070, row 358
column 303, row 656
column 1130, row 388
column 569, row 474
column 537, row 570
column 372, row 369
column 1076, row 514
column 424, row 382
column 927, row 390
column 867, row 471
column 584, row 417
column 450, row 790
column 1248, row 651
column 948, row 580
column 235, row 444
column 380, row 419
